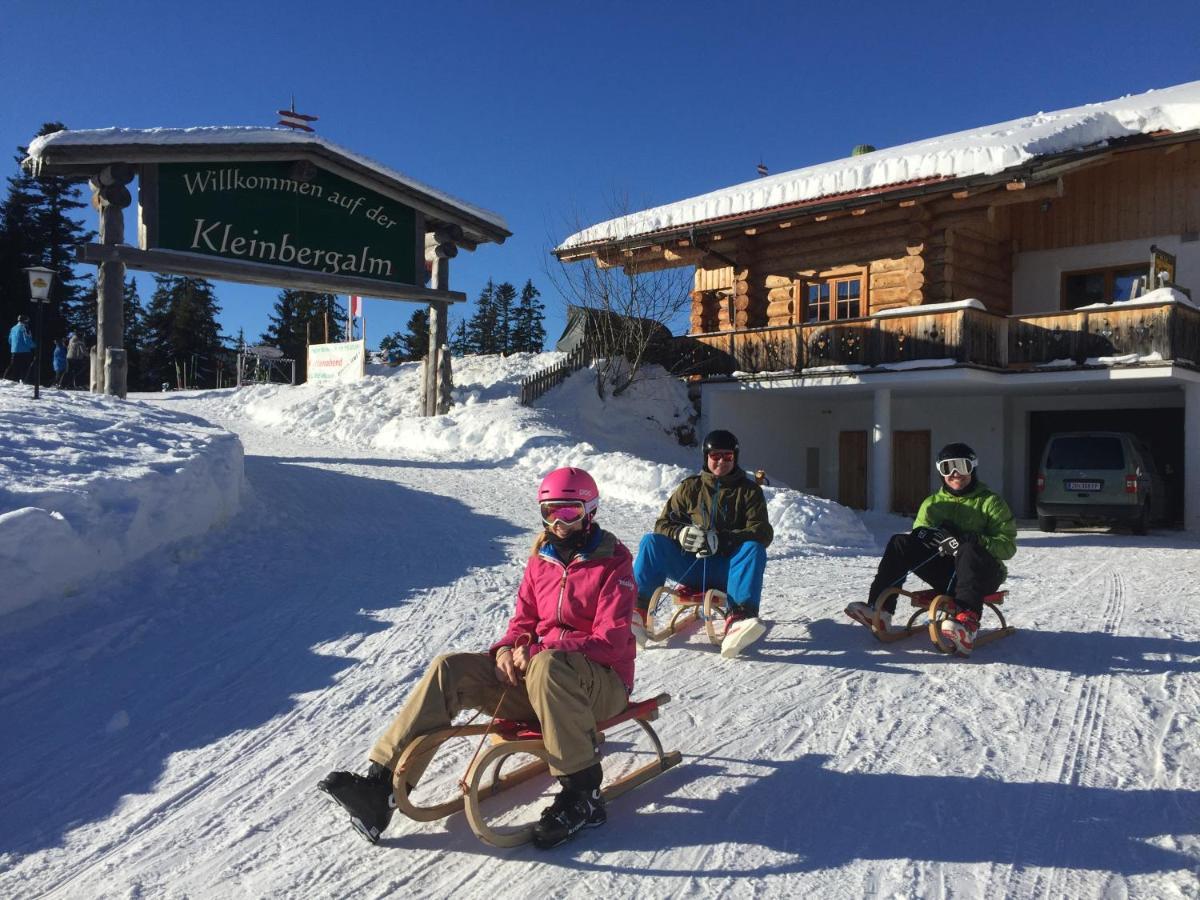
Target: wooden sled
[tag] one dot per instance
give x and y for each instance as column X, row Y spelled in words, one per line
column 689, row 604
column 887, row 635
column 509, row 738
column 941, row 607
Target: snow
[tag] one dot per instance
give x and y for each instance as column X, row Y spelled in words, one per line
column 927, row 308
column 1150, row 298
column 978, row 151
column 173, row 718
column 88, row 485
column 217, row 135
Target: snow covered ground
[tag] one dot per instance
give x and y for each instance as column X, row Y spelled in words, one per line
column 163, row 732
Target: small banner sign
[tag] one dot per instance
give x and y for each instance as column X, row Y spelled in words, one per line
column 1162, row 268
column 337, row 362
column 286, row 214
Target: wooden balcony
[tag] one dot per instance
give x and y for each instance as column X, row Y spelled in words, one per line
column 969, row 337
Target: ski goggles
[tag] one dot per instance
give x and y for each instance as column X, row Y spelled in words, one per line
column 721, row 456
column 566, row 511
column 956, row 466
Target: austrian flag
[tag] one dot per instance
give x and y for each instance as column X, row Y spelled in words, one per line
column 355, row 306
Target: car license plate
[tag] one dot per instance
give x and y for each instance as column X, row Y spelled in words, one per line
column 1084, row 485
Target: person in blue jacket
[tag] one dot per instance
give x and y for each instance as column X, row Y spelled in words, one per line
column 60, row 361
column 21, row 345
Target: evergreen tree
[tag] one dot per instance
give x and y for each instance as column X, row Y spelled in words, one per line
column 37, row 229
column 134, row 338
column 182, row 339
column 300, row 318
column 481, row 329
column 528, row 333
column 412, row 344
column 460, row 343
column 504, row 300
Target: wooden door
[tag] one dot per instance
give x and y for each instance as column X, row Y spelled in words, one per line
column 852, row 469
column 911, row 470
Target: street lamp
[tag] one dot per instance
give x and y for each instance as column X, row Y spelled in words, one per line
column 40, row 279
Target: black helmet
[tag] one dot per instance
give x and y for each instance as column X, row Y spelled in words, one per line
column 719, row 440
column 956, row 451
column 23, row 319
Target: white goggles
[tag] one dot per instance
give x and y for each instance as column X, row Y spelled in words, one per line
column 956, row 466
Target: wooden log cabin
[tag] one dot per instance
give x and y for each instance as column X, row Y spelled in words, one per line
column 991, row 286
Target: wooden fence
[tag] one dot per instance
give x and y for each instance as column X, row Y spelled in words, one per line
column 539, row 382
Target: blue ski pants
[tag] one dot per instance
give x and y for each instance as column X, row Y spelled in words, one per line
column 740, row 575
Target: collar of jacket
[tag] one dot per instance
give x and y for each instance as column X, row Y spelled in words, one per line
column 599, row 545
column 735, row 475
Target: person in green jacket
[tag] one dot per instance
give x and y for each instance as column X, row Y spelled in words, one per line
column 961, row 536
column 712, row 533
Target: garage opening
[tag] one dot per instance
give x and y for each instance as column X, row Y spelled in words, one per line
column 1159, row 429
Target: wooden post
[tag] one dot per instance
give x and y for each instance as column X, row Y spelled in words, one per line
column 438, row 377
column 110, row 196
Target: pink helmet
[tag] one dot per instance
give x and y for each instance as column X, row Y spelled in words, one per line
column 571, row 484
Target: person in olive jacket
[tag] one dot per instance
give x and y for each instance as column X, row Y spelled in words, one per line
column 713, row 533
column 961, row 536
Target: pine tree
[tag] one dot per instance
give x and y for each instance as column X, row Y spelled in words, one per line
column 182, row 338
column 460, row 343
column 481, row 330
column 134, row 338
column 415, row 343
column 37, row 229
column 529, row 334
column 504, row 300
column 300, row 318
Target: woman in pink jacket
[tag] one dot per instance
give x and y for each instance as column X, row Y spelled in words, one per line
column 565, row 660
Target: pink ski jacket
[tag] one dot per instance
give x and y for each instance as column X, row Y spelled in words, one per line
column 583, row 606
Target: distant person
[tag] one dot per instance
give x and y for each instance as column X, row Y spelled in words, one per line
column 77, row 356
column 713, row 533
column 566, row 661
column 961, row 536
column 21, row 345
column 59, row 361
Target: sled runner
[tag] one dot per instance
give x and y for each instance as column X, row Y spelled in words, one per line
column 688, row 605
column 941, row 606
column 930, row 609
column 509, row 738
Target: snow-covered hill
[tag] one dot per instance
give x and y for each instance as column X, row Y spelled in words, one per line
column 164, row 732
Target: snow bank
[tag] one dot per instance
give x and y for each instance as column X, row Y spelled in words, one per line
column 629, row 443
column 89, row 484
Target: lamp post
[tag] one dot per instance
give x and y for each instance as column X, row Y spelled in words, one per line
column 40, row 279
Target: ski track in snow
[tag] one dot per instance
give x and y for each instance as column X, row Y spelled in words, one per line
column 1061, row 762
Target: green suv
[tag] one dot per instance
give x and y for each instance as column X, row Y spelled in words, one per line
column 1098, row 476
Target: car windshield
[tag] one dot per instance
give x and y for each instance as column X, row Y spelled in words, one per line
column 1085, row 452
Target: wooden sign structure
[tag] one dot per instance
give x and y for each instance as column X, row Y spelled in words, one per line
column 271, row 207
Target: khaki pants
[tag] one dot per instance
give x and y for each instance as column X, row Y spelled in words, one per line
column 566, row 692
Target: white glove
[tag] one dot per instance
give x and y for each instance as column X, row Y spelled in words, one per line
column 698, row 541
column 691, row 538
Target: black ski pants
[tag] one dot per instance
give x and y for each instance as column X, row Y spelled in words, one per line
column 967, row 577
column 20, row 368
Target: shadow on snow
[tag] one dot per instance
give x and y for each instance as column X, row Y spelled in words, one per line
column 173, row 655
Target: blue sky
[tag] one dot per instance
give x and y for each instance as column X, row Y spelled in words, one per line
column 544, row 112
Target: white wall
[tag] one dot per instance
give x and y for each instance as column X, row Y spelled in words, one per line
column 1037, row 274
column 775, row 427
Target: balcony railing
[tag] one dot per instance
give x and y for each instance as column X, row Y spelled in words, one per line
column 970, row 337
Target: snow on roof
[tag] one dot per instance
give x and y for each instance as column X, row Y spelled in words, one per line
column 241, row 134
column 979, row 151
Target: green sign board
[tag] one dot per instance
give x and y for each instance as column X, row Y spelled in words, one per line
column 286, row 214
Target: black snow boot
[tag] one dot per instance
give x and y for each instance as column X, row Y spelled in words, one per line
column 368, row 798
column 578, row 805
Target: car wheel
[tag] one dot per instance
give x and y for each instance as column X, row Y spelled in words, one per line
column 1142, row 522
column 1047, row 523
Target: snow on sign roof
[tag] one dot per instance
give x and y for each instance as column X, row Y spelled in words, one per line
column 232, row 134
column 979, row 151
